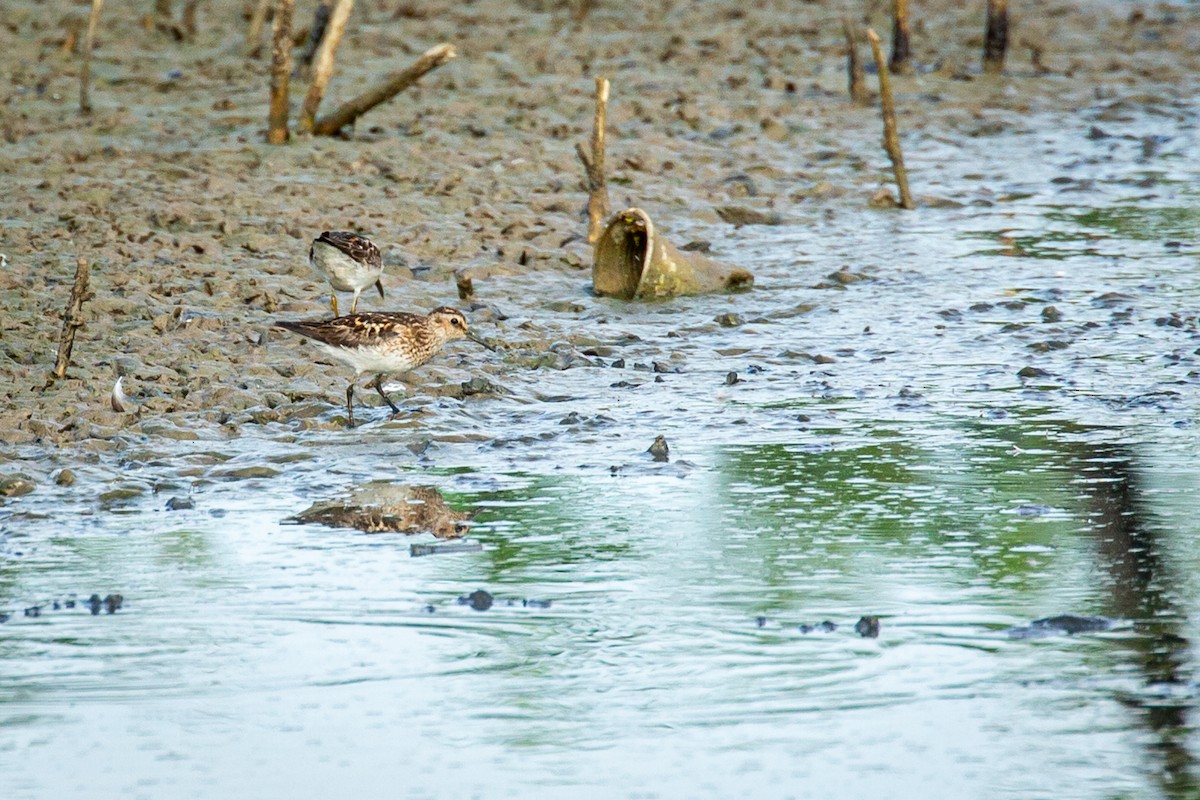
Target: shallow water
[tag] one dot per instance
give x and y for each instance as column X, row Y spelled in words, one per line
column 909, row 473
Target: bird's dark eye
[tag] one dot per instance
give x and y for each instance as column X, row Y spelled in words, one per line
column 456, row 322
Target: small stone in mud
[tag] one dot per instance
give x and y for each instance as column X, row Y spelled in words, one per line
column 1047, row 346
column 731, row 378
column 65, row 477
column 697, row 246
column 1051, row 314
column 663, row 367
column 113, row 602
column 659, row 450
column 618, row 364
column 867, row 627
column 15, row 486
column 479, row 385
column 740, row 215
column 246, row 473
column 728, row 320
column 180, row 503
column 480, row 600
column 1032, row 372
column 823, row 359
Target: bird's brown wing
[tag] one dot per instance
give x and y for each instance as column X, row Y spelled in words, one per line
column 355, row 330
column 360, row 248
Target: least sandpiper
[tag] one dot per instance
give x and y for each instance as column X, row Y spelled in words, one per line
column 349, row 262
column 383, row 343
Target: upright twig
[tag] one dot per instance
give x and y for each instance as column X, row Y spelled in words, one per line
column 254, row 33
column 189, row 18
column 324, row 64
column 891, row 140
column 281, row 70
column 395, row 83
column 316, row 32
column 85, row 74
column 72, row 318
column 593, row 166
column 854, row 67
column 995, row 41
column 901, row 63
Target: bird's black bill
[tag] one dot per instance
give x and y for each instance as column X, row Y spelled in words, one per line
column 480, row 342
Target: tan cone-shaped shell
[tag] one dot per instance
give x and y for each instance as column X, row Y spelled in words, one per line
column 632, row 260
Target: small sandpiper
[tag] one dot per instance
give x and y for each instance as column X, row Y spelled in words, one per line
column 349, row 262
column 384, row 343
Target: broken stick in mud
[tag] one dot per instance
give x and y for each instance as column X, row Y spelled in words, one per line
column 72, row 318
column 85, row 74
column 593, row 166
column 258, row 18
column 995, row 40
column 395, row 83
column 891, row 139
column 854, row 67
column 281, row 71
column 901, row 63
column 330, row 38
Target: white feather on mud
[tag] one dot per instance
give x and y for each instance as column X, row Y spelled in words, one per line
column 120, row 402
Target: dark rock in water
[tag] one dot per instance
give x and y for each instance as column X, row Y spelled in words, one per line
column 33, row 611
column 760, row 622
column 659, row 450
column 113, row 602
column 480, row 386
column 94, row 604
column 4, row 618
column 820, row 627
column 728, row 320
column 1051, row 314
column 697, row 246
column 479, row 600
column 867, row 627
column 1032, row 372
column 65, row 477
column 69, row 603
column 180, row 503
column 15, row 486
column 1068, row 624
column 531, row 603
column 428, row 609
column 618, row 364
column 732, row 379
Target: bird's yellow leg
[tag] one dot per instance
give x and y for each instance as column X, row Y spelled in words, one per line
column 333, row 303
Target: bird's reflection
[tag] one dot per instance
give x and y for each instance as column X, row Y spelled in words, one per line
column 391, row 508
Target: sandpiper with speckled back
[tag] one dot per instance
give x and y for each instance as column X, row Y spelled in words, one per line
column 349, row 262
column 383, row 343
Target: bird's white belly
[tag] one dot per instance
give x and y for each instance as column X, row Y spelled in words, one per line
column 368, row 359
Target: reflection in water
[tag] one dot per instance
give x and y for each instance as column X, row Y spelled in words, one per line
column 1142, row 590
column 391, row 508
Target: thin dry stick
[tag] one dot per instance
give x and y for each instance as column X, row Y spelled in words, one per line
column 854, row 67
column 324, row 64
column 281, row 70
column 891, row 140
column 995, row 41
column 593, row 166
column 395, row 83
column 72, row 318
column 189, row 18
column 254, row 34
column 85, row 74
column 901, row 63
